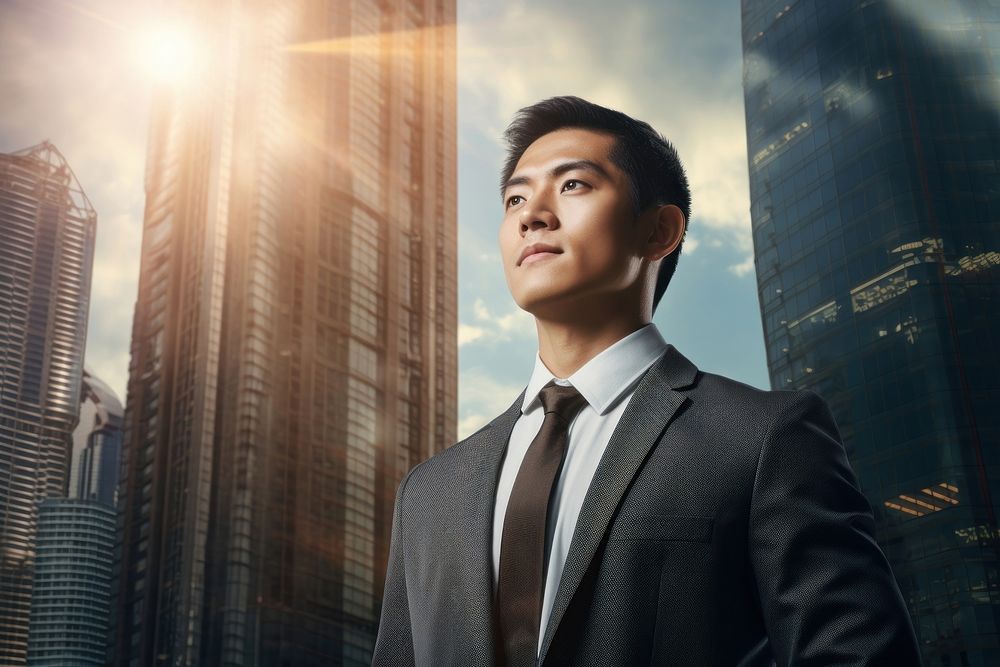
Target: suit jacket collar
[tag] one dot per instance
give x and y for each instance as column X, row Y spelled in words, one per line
column 487, row 448
column 650, row 410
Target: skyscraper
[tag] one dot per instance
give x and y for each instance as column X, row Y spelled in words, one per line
column 294, row 346
column 71, row 591
column 70, row 596
column 873, row 130
column 47, row 228
column 97, row 442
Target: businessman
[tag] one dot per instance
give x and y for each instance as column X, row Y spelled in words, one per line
column 628, row 508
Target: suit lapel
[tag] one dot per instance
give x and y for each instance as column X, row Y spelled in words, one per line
column 651, row 408
column 487, row 448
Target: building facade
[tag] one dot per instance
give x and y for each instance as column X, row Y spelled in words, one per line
column 70, row 599
column 71, row 589
column 97, row 441
column 873, row 130
column 47, row 231
column 294, row 347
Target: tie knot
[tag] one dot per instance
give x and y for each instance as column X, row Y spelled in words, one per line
column 564, row 400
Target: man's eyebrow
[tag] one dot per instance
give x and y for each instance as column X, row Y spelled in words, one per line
column 560, row 169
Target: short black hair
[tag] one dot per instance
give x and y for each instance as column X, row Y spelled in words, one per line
column 648, row 160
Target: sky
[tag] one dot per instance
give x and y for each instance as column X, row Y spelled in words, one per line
column 72, row 73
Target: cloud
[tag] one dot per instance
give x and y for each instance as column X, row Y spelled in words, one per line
column 482, row 398
column 489, row 257
column 719, row 177
column 471, row 423
column 502, row 69
column 744, row 268
column 468, row 333
column 112, row 298
column 691, row 244
column 492, row 327
column 688, row 88
column 76, row 82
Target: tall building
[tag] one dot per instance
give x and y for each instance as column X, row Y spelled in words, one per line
column 47, row 228
column 97, row 442
column 72, row 584
column 71, row 589
column 873, row 129
column 294, row 347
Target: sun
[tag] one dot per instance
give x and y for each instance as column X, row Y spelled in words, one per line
column 169, row 53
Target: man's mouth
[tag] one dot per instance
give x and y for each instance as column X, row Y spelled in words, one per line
column 537, row 252
column 538, row 256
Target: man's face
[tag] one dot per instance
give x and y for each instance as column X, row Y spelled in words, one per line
column 567, row 194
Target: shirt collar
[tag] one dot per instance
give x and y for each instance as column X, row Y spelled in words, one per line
column 606, row 377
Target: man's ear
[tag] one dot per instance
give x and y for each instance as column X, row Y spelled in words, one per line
column 666, row 229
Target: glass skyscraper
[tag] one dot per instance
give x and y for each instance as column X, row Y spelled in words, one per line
column 71, row 591
column 97, row 442
column 873, row 129
column 294, row 347
column 72, row 583
column 47, row 228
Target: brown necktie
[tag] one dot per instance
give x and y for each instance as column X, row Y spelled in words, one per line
column 522, row 567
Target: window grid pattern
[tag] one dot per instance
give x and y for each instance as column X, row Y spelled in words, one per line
column 875, row 195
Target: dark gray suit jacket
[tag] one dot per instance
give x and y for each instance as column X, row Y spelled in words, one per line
column 723, row 526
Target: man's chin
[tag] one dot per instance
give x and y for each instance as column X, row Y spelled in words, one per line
column 550, row 306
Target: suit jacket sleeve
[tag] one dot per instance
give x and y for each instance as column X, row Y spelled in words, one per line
column 826, row 590
column 394, row 644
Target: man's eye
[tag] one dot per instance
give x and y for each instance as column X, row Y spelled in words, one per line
column 572, row 184
column 514, row 200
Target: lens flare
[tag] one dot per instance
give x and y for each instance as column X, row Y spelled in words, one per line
column 169, row 53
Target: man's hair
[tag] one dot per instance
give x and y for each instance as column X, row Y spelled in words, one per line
column 648, row 160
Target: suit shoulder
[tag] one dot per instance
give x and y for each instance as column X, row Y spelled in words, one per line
column 732, row 420
column 731, row 399
column 441, row 465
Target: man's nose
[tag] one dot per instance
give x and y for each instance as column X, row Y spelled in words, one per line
column 536, row 217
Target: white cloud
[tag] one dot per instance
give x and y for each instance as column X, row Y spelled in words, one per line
column 691, row 244
column 493, row 327
column 665, row 77
column 482, row 398
column 471, row 423
column 744, row 268
column 480, row 310
column 76, row 83
column 468, row 334
column 489, row 257
column 501, row 69
column 717, row 171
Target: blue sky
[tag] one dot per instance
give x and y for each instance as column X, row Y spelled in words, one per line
column 69, row 74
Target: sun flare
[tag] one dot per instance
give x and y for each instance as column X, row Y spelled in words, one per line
column 169, row 53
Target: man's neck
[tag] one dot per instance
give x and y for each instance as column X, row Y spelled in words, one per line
column 565, row 348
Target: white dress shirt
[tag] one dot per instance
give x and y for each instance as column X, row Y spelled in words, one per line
column 607, row 382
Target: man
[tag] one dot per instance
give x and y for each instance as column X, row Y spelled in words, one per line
column 627, row 508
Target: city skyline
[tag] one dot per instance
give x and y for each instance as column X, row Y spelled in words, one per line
column 314, row 271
